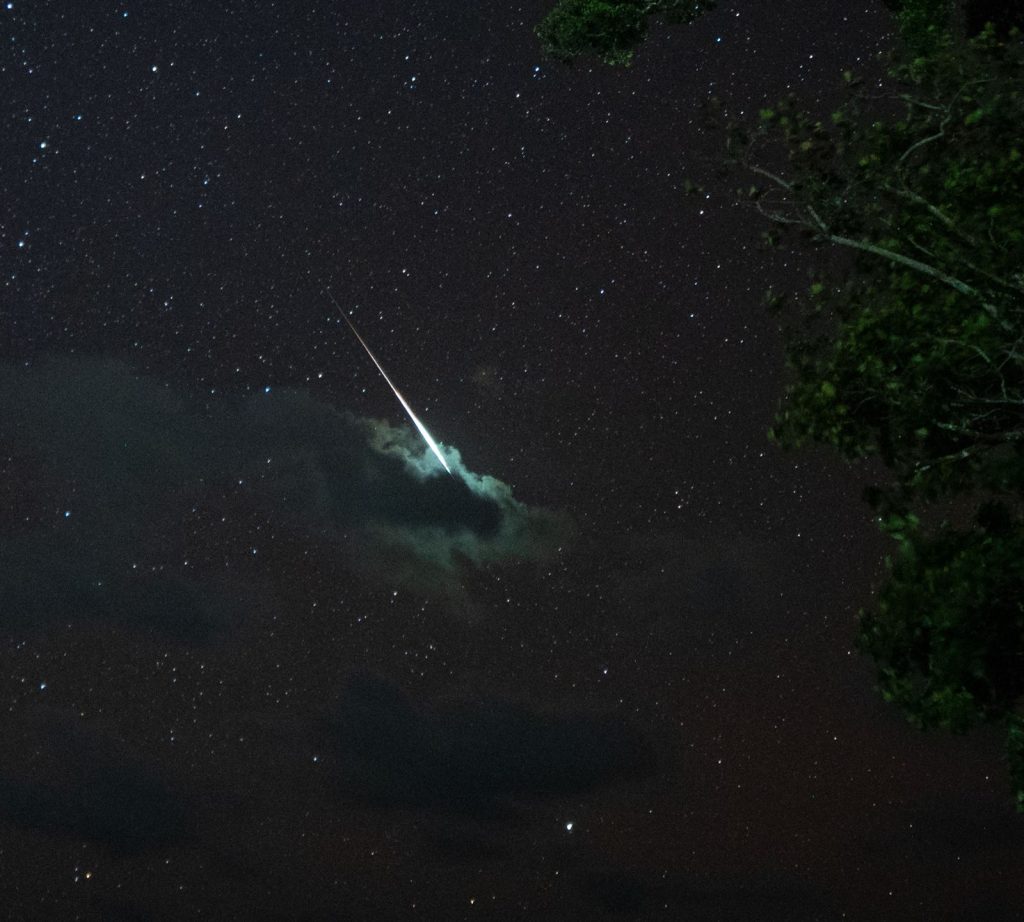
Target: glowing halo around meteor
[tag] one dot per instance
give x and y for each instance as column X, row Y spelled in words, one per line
column 408, row 409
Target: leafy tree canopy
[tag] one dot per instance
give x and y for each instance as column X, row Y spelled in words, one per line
column 914, row 17
column 947, row 634
column 609, row 29
column 921, row 23
column 916, row 353
column 947, row 630
column 913, row 352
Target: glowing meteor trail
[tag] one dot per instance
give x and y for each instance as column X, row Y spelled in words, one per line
column 408, row 409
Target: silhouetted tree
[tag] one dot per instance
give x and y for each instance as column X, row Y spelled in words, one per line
column 916, row 354
column 913, row 353
column 609, row 29
column 947, row 633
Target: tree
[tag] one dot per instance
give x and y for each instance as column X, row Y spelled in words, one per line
column 947, row 634
column 609, row 29
column 913, row 17
column 916, row 354
column 922, row 22
column 913, row 350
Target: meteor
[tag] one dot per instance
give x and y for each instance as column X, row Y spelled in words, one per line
column 408, row 409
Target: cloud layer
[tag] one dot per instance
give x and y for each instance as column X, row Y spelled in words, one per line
column 474, row 757
column 75, row 783
column 105, row 467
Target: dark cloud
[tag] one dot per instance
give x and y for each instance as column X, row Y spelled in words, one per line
column 104, row 467
column 48, row 578
column 119, row 911
column 476, row 757
column 465, row 849
column 952, row 828
column 737, row 897
column 80, row 785
column 618, row 893
column 992, row 907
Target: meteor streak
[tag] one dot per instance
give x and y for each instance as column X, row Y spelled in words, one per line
column 408, row 409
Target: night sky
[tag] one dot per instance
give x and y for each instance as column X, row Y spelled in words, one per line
column 261, row 658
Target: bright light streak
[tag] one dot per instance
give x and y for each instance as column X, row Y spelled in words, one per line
column 408, row 409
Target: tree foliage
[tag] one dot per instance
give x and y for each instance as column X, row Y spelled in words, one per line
column 609, row 29
column 947, row 630
column 947, row 633
column 924, row 23
column 913, row 351
column 918, row 354
column 914, row 18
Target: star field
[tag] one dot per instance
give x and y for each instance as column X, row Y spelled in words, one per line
column 256, row 663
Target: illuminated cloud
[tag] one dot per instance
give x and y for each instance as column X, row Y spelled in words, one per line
column 107, row 465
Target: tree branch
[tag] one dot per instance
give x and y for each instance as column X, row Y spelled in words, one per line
column 917, row 266
column 779, row 181
column 942, row 125
column 985, row 438
column 955, row 456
